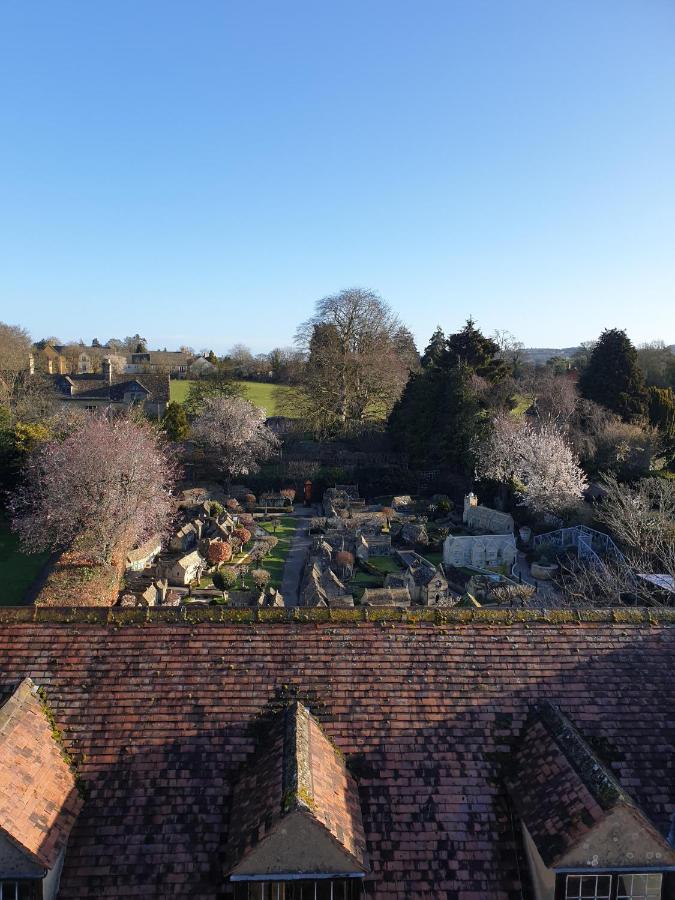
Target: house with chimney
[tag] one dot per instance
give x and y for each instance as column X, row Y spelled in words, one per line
column 110, row 390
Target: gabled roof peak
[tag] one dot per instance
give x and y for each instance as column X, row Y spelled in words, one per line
column 38, row 797
column 296, row 775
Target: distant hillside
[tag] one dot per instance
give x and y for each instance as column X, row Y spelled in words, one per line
column 540, row 355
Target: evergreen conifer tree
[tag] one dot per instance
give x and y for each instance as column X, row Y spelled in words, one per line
column 613, row 377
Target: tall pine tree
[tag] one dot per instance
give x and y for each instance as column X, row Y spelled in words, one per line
column 613, row 377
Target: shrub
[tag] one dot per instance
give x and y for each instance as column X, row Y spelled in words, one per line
column 261, row 578
column 219, row 552
column 216, row 509
column 225, row 579
column 243, row 535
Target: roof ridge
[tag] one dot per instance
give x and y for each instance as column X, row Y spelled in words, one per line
column 297, row 784
column 439, row 616
column 597, row 778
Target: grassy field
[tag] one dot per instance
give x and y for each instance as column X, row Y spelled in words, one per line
column 266, row 396
column 19, row 571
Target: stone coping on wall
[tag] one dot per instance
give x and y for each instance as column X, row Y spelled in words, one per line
column 118, row 616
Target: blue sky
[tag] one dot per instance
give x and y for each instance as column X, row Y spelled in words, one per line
column 202, row 172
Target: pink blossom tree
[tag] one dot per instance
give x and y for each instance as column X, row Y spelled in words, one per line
column 234, row 431
column 537, row 461
column 106, row 481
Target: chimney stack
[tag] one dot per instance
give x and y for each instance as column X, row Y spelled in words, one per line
column 107, row 370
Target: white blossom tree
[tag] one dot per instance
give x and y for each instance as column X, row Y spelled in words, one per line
column 537, row 461
column 234, row 431
column 106, row 481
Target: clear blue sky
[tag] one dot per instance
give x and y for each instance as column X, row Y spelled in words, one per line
column 201, row 172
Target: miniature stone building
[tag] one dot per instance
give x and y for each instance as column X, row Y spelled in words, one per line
column 483, row 551
column 482, row 518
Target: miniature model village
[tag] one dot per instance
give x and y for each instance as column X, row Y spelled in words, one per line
column 343, row 552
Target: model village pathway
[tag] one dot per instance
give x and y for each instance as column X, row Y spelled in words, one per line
column 297, row 556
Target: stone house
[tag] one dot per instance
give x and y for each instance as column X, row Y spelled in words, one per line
column 140, row 557
column 320, row 586
column 185, row 569
column 398, row 597
column 482, row 518
column 46, row 358
column 484, row 551
column 165, row 362
column 426, row 583
column 186, row 537
column 107, row 390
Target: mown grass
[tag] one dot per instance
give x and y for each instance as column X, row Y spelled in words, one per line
column 384, row 564
column 283, row 529
column 19, row 570
column 269, row 397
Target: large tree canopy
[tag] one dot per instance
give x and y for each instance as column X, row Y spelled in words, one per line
column 108, row 481
column 442, row 412
column 613, row 377
column 359, row 357
column 234, row 431
column 537, row 461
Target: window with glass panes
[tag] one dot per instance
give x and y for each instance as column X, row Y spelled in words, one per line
column 620, row 886
column 21, row 889
column 310, row 889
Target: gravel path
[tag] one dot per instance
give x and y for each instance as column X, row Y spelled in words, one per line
column 295, row 561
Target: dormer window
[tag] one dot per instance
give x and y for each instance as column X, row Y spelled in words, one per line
column 584, row 837
column 38, row 799
column 23, row 889
column 295, row 828
column 624, row 886
column 310, row 889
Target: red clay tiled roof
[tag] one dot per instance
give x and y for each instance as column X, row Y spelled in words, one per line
column 38, row 798
column 159, row 716
column 296, row 768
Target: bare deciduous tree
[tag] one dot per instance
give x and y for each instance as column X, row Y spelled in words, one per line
column 234, row 431
column 537, row 461
column 109, row 481
column 359, row 357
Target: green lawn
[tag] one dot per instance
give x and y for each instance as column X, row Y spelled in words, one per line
column 435, row 558
column 266, row 396
column 19, row 570
column 283, row 529
column 385, row 564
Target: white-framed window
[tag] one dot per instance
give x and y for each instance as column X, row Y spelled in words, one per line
column 588, row 887
column 639, row 886
column 320, row 889
column 618, row 886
